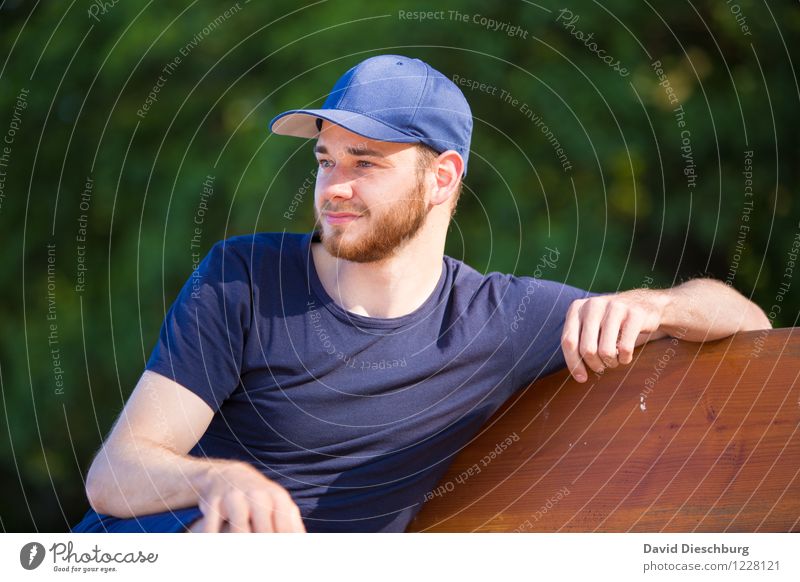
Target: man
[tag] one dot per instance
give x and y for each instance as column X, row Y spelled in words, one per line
column 324, row 381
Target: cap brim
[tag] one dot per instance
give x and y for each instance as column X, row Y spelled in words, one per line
column 303, row 123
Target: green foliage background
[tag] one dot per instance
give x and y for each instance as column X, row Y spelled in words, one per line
column 621, row 217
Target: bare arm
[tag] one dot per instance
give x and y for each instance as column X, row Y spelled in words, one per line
column 143, row 467
column 702, row 310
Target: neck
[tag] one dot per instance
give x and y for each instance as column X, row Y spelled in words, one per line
column 393, row 287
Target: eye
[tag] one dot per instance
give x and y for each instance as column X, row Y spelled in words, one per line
column 324, row 162
column 364, row 164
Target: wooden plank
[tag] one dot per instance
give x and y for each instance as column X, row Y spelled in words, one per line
column 689, row 437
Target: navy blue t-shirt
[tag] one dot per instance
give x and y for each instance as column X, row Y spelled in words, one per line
column 357, row 417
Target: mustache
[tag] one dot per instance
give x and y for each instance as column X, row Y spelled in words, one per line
column 331, row 208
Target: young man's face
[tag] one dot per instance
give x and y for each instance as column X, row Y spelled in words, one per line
column 370, row 195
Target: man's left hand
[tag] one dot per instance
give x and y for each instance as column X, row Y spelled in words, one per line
column 601, row 332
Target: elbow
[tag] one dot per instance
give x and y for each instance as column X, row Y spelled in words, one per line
column 100, row 486
column 757, row 319
column 99, row 482
column 94, row 488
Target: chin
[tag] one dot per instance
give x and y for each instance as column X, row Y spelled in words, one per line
column 347, row 249
column 342, row 248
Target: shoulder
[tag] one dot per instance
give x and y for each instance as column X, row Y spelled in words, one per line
column 254, row 251
column 495, row 282
column 468, row 283
column 482, row 291
column 259, row 242
column 513, row 284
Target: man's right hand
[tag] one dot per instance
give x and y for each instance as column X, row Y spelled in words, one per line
column 144, row 467
column 236, row 497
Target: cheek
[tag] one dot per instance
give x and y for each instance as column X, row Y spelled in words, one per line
column 318, row 195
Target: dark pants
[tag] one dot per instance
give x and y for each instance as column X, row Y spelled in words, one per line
column 176, row 520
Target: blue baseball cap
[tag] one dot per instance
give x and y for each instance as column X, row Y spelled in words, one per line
column 390, row 98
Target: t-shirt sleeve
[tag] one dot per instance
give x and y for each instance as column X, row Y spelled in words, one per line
column 536, row 310
column 202, row 339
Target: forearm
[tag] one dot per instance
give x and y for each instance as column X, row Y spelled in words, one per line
column 706, row 309
column 143, row 478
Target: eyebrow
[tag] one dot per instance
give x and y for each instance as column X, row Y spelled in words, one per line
column 353, row 151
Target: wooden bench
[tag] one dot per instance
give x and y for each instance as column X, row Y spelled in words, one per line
column 689, row 437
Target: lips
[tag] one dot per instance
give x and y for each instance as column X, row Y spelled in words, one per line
column 340, row 217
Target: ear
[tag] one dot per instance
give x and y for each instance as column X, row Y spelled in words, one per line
column 447, row 170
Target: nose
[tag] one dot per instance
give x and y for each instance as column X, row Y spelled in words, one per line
column 333, row 186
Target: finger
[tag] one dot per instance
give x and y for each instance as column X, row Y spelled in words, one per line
column 287, row 517
column 592, row 314
column 237, row 513
column 297, row 521
column 569, row 343
column 609, row 334
column 212, row 518
column 261, row 515
column 631, row 328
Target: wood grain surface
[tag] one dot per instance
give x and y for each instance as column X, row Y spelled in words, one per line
column 689, row 437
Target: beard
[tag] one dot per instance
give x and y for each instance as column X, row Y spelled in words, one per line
column 390, row 227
